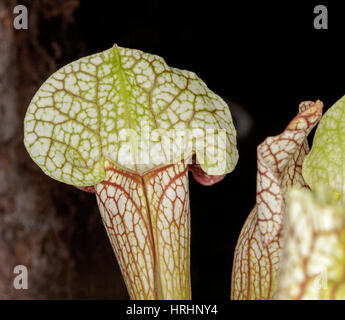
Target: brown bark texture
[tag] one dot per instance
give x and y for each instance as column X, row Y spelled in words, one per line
column 53, row 229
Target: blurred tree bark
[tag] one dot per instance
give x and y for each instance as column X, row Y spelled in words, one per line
column 53, row 229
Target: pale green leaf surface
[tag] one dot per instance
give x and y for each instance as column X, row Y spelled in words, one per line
column 89, row 109
column 313, row 251
column 325, row 164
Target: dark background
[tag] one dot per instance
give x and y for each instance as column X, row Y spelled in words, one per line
column 265, row 58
